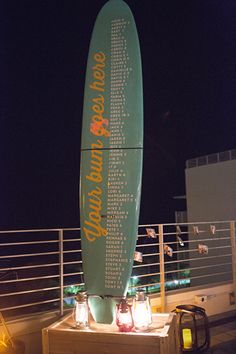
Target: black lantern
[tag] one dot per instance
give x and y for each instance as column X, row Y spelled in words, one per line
column 194, row 333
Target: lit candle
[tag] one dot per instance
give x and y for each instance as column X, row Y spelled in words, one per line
column 124, row 318
column 81, row 311
column 141, row 311
column 187, row 338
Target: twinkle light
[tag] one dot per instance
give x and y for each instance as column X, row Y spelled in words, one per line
column 3, row 342
column 6, row 343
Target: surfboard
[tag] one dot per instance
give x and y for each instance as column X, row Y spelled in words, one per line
column 111, row 158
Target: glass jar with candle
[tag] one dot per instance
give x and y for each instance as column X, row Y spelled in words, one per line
column 81, row 311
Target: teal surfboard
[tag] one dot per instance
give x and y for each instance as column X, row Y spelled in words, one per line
column 111, row 158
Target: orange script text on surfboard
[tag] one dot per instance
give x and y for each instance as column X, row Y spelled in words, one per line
column 98, row 127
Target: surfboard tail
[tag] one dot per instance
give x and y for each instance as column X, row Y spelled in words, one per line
column 103, row 309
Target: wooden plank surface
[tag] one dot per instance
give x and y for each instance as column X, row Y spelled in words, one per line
column 62, row 338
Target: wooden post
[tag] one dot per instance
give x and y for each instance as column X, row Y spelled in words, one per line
column 233, row 248
column 45, row 341
column 162, row 267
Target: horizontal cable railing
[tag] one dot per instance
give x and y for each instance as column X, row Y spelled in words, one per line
column 41, row 270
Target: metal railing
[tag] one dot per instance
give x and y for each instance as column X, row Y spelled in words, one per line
column 41, row 270
column 212, row 158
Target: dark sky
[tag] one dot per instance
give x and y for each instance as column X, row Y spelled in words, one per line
column 189, row 76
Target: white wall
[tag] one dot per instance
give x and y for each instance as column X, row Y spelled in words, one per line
column 211, row 192
column 217, row 299
column 211, row 196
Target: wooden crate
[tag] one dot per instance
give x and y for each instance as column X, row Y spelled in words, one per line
column 62, row 338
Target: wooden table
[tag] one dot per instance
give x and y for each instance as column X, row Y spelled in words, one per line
column 62, row 338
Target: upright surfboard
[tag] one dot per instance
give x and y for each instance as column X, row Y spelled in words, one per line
column 111, row 158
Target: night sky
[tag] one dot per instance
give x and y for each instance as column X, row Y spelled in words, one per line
column 189, row 78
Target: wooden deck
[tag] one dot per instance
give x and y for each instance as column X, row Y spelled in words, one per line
column 223, row 335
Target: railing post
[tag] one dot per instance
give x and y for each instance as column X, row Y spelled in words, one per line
column 162, row 267
column 233, row 248
column 61, row 271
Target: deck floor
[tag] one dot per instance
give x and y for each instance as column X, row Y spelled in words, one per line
column 223, row 336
